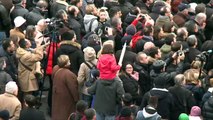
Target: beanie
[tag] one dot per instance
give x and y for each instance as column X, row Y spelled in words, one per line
column 183, row 116
column 195, row 111
column 11, row 87
column 130, row 30
column 159, row 82
column 89, row 54
column 125, row 112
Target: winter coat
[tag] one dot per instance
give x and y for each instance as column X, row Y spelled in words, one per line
column 129, row 56
column 207, row 95
column 125, row 9
column 34, row 16
column 76, row 26
column 107, row 94
column 17, row 32
column 31, row 114
column 83, row 75
column 11, row 63
column 18, row 10
column 12, row 104
column 87, row 20
column 180, row 19
column 191, row 55
column 207, row 109
column 7, row 4
column 5, row 78
column 64, row 94
column 141, row 42
column 108, row 66
column 26, row 78
column 183, row 101
column 5, row 19
column 165, row 101
column 56, row 6
column 156, row 10
column 148, row 113
column 73, row 50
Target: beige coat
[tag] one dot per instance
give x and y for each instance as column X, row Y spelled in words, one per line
column 12, row 104
column 83, row 76
column 26, row 78
column 16, row 32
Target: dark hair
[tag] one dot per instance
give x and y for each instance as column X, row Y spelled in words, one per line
column 147, row 30
column 169, row 39
column 30, row 100
column 190, row 26
column 134, row 11
column 15, row 40
column 164, row 10
column 113, row 11
column 167, row 27
column 157, row 30
column 6, row 43
column 176, row 46
column 30, row 32
column 89, row 113
column 153, row 51
column 200, row 8
column 22, row 43
column 60, row 13
column 75, row 2
column 71, row 10
column 81, row 106
column 68, row 35
column 107, row 49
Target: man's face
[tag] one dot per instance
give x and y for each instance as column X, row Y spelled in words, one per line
column 144, row 59
column 11, row 48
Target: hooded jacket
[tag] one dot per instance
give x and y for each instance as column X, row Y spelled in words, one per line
column 148, row 113
column 107, row 66
column 87, row 20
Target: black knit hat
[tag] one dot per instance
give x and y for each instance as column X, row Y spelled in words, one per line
column 158, row 65
column 159, row 82
column 125, row 112
column 68, row 35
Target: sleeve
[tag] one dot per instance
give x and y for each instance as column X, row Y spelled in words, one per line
column 8, row 77
column 34, row 57
column 16, row 112
column 81, row 75
column 94, row 25
column 72, row 85
column 134, row 22
column 114, row 66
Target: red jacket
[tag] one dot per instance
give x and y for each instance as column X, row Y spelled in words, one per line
column 107, row 66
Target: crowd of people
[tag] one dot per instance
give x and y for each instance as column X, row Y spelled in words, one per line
column 107, row 59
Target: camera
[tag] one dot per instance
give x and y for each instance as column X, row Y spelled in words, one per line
column 55, row 24
column 203, row 56
column 180, row 52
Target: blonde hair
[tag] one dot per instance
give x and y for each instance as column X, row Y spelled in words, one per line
column 191, row 76
column 63, row 60
column 196, row 64
column 90, row 8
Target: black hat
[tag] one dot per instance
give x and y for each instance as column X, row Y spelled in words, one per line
column 4, row 114
column 127, row 97
column 183, row 6
column 125, row 112
column 159, row 81
column 158, row 65
column 68, row 35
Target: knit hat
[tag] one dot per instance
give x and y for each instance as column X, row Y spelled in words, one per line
column 158, row 65
column 93, row 39
column 183, row 6
column 183, row 116
column 11, row 87
column 195, row 111
column 125, row 112
column 159, row 82
column 18, row 21
column 127, row 97
column 89, row 54
column 68, row 35
column 4, row 114
column 130, row 30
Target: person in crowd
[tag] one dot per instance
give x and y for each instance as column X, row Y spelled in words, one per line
column 182, row 16
column 65, row 89
column 30, row 112
column 83, row 73
column 70, row 47
column 90, row 114
column 158, row 36
column 154, row 54
column 209, row 92
column 165, row 99
column 194, row 84
column 28, row 65
column 10, row 102
column 130, row 79
column 20, row 26
column 5, row 76
column 7, row 50
column 5, row 24
column 182, row 35
column 18, row 9
column 108, row 86
column 149, row 112
column 38, row 13
column 164, row 17
column 166, row 48
column 30, row 35
column 195, row 113
column 81, row 106
column 58, row 5
column 4, row 115
column 183, row 98
column 207, row 108
column 125, row 114
column 129, row 55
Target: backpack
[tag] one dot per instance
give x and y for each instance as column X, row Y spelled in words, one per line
column 92, row 75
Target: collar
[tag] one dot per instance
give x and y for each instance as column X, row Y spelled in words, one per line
column 160, row 89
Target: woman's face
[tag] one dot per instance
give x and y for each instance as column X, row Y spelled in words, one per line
column 129, row 69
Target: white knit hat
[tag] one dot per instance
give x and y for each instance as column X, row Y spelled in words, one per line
column 89, row 54
column 18, row 21
column 11, row 87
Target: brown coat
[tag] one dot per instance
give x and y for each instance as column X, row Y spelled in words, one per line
column 16, row 32
column 12, row 104
column 26, row 78
column 64, row 94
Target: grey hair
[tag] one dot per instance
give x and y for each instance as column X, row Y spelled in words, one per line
column 179, row 79
column 200, row 18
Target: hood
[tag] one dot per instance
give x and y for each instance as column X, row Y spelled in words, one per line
column 161, row 93
column 149, row 112
column 165, row 48
column 105, row 60
column 88, row 18
column 68, row 47
column 129, row 18
column 20, row 52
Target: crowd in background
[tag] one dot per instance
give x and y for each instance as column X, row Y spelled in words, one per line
column 107, row 59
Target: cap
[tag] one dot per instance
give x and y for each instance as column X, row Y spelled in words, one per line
column 18, row 21
column 183, row 6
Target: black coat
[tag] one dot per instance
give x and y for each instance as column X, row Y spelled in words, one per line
column 191, row 55
column 140, row 43
column 5, row 19
column 76, row 26
column 55, row 7
column 183, row 101
column 107, row 94
column 31, row 114
column 165, row 101
column 18, row 11
column 72, row 49
column 129, row 56
column 207, row 109
column 34, row 16
column 144, row 81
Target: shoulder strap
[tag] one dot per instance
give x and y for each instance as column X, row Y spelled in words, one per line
column 25, row 65
column 88, row 65
column 90, row 25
